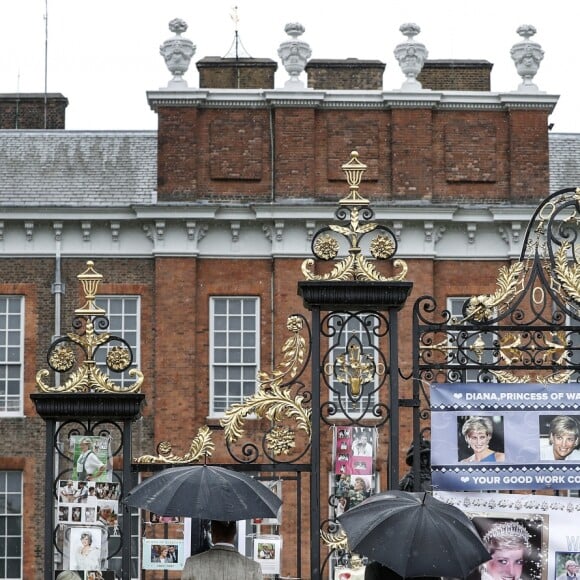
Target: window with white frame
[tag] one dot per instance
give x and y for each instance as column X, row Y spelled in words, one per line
column 124, row 314
column 234, row 350
column 478, row 341
column 11, row 354
column 10, row 524
column 353, row 332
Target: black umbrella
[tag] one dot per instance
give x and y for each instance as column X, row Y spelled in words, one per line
column 205, row 492
column 414, row 534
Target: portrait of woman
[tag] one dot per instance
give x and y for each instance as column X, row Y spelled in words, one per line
column 562, row 440
column 514, row 546
column 478, row 433
column 85, row 553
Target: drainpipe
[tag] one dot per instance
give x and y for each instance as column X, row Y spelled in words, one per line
column 57, row 288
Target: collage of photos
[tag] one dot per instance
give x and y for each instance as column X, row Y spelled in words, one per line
column 88, row 502
column 354, row 456
column 481, row 438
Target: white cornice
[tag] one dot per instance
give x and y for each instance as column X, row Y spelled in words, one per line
column 348, row 99
column 256, row 231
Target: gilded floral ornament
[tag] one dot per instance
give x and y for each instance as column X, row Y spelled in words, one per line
column 280, row 440
column 62, row 359
column 89, row 377
column 354, row 213
column 326, row 247
column 201, row 446
column 275, row 400
column 382, row 248
column 118, row 358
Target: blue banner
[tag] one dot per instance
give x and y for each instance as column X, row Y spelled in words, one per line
column 488, row 436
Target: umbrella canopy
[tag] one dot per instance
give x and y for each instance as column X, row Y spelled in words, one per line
column 205, row 492
column 414, row 534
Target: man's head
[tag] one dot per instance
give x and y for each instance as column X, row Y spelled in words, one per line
column 571, row 567
column 223, row 531
column 564, row 436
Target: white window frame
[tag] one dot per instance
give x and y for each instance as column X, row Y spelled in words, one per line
column 245, row 366
column 352, row 408
column 104, row 301
column 6, row 365
column 7, row 514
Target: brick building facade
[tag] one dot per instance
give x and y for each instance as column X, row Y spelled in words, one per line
column 218, row 207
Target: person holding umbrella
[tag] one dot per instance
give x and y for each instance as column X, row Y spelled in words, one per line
column 222, row 561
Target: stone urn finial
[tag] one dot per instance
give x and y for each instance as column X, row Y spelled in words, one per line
column 294, row 55
column 411, row 56
column 527, row 56
column 177, row 52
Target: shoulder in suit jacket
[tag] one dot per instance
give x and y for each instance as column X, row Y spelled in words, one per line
column 221, row 563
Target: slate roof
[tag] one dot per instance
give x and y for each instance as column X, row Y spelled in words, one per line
column 564, row 160
column 78, row 168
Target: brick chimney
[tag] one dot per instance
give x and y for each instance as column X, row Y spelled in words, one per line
column 350, row 74
column 27, row 111
column 236, row 73
column 456, row 75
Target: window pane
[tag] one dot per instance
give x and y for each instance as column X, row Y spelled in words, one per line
column 234, row 343
column 11, row 355
column 123, row 313
column 10, row 525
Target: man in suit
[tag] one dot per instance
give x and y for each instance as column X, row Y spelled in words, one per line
column 571, row 571
column 222, row 561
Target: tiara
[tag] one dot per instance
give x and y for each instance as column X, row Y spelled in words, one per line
column 507, row 530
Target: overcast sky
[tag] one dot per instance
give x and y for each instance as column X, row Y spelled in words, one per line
column 104, row 55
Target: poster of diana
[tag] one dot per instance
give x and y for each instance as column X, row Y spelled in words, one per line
column 529, row 537
column 488, row 436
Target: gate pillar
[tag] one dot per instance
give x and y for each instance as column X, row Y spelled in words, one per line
column 353, row 297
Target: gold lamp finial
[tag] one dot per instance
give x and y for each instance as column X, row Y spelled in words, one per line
column 355, row 265
column 354, row 170
column 90, row 280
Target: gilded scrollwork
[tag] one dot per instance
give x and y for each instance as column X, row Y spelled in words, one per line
column 275, row 399
column 201, row 447
column 567, row 275
column 88, row 377
column 355, row 265
column 334, row 540
column 510, row 283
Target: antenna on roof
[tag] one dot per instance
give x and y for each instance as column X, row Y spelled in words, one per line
column 237, row 49
column 17, row 100
column 45, row 63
